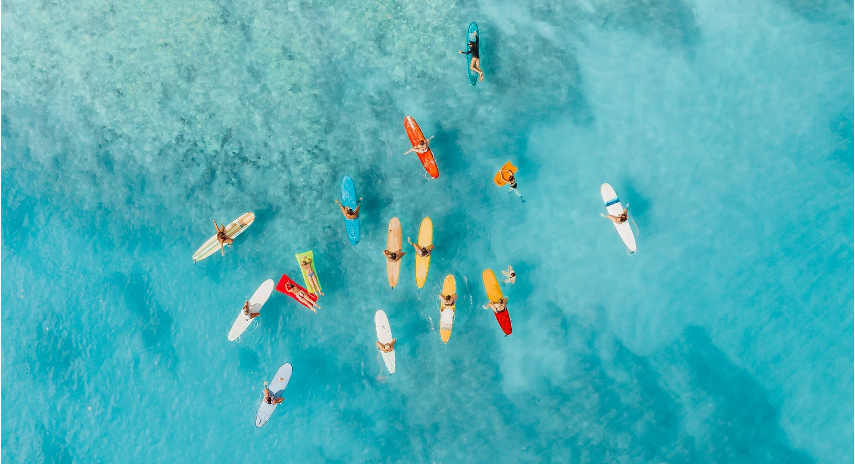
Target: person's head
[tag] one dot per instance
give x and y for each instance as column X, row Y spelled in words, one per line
column 422, row 142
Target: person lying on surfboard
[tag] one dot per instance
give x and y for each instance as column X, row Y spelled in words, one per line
column 302, row 297
column 475, row 64
column 386, row 348
column 422, row 251
column 619, row 219
column 350, row 213
column 508, row 175
column 422, row 147
column 222, row 237
column 449, row 300
column 510, row 275
column 498, row 307
column 306, row 265
column 268, row 397
column 248, row 312
column 394, row 256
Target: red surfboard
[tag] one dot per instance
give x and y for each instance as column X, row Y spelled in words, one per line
column 415, row 134
column 504, row 319
column 281, row 288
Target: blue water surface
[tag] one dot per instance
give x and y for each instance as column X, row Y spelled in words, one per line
column 726, row 125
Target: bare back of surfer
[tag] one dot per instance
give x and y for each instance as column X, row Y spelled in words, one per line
column 422, row 147
column 422, row 251
column 475, row 63
column 269, row 398
column 386, row 348
column 394, row 256
column 222, row 237
column 621, row 218
column 247, row 311
column 306, row 265
column 498, row 307
column 302, row 297
column 350, row 213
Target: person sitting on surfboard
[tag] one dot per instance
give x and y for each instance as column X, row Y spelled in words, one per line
column 475, row 64
column 386, row 348
column 619, row 219
column 268, row 397
column 422, row 147
column 350, row 213
column 449, row 300
column 306, row 265
column 422, row 251
column 498, row 307
column 301, row 296
column 508, row 175
column 248, row 312
column 510, row 275
column 222, row 237
column 394, row 256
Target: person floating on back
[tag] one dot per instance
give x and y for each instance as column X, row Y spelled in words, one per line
column 350, row 213
column 619, row 219
column 423, row 251
column 248, row 312
column 475, row 63
column 510, row 275
column 498, row 307
column 302, row 297
column 394, row 256
column 269, row 398
column 306, row 265
column 386, row 348
column 222, row 237
column 422, row 147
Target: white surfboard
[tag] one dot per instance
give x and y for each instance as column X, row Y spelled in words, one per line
column 276, row 387
column 614, row 208
column 255, row 303
column 384, row 336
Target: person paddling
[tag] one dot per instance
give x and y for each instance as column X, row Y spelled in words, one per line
column 510, row 275
column 448, row 301
column 302, row 297
column 422, row 147
column 498, row 307
column 423, row 251
column 394, row 256
column 269, row 398
column 306, row 265
column 475, row 63
column 386, row 348
column 350, row 213
column 248, row 312
column 620, row 218
column 222, row 237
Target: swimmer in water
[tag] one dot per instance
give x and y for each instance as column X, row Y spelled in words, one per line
column 510, row 275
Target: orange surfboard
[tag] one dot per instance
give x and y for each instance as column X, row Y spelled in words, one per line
column 415, row 134
column 501, row 177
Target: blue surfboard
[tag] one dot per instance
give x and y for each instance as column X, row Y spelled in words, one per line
column 349, row 200
column 471, row 37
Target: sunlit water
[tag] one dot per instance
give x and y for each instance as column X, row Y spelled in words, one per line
column 726, row 125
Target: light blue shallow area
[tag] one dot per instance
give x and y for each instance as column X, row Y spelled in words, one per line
column 726, row 125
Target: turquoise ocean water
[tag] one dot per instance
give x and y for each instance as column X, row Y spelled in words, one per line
column 727, row 126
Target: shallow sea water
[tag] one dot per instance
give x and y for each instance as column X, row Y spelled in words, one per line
column 727, row 127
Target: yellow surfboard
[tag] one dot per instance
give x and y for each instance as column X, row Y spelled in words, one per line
column 393, row 244
column 491, row 285
column 501, row 177
column 423, row 263
column 446, row 314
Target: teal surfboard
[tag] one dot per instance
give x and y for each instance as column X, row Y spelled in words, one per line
column 349, row 200
column 472, row 35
